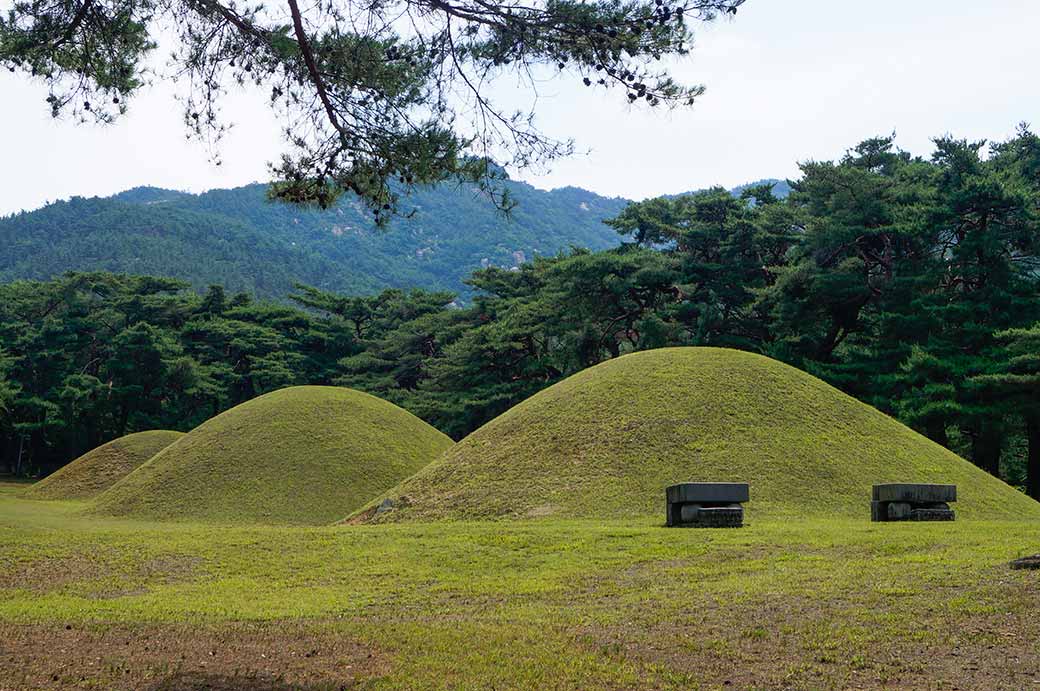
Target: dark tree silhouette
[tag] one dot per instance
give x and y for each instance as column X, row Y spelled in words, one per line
column 375, row 95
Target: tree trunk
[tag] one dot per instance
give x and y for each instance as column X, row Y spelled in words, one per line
column 93, row 433
column 9, row 453
column 18, row 463
column 124, row 416
column 985, row 449
column 1033, row 456
column 935, row 430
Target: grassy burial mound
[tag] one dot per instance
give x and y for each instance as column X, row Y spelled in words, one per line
column 97, row 470
column 607, row 441
column 303, row 455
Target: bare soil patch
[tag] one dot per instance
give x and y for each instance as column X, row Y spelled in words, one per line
column 51, row 573
column 275, row 656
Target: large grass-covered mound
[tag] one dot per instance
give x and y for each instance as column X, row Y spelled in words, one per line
column 607, row 441
column 302, row 455
column 97, row 470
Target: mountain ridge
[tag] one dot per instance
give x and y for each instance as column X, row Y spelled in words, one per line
column 235, row 237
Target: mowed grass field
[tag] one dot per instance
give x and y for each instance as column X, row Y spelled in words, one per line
column 100, row 603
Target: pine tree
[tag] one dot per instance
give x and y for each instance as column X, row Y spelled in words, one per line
column 371, row 94
column 1018, row 388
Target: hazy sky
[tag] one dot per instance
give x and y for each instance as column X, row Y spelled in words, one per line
column 788, row 80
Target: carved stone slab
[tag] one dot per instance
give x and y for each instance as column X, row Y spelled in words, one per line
column 901, row 501
column 915, row 493
column 706, row 504
column 709, row 493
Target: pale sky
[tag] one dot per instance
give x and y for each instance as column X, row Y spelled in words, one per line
column 788, row 81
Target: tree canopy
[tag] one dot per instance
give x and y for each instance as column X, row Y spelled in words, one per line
column 370, row 93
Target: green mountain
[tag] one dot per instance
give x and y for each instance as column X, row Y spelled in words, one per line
column 238, row 239
column 781, row 188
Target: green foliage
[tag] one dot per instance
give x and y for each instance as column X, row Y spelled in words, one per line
column 233, row 238
column 8, row 388
column 1014, row 383
column 370, row 105
column 908, row 270
column 93, row 357
column 889, row 276
column 301, row 455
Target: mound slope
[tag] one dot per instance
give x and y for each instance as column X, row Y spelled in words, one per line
column 303, row 455
column 97, row 470
column 607, row 441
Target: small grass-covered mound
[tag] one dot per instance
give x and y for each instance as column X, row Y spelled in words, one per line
column 303, row 455
column 97, row 470
column 607, row 441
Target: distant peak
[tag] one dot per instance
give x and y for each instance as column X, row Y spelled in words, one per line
column 149, row 195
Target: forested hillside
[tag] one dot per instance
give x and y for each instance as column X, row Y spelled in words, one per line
column 237, row 239
column 909, row 283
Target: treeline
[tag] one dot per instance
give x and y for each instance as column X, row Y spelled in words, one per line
column 910, row 283
column 238, row 239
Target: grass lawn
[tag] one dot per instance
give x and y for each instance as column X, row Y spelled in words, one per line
column 607, row 440
column 97, row 470
column 303, row 455
column 111, row 604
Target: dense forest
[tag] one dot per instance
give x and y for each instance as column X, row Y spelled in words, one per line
column 911, row 283
column 238, row 239
column 242, row 241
